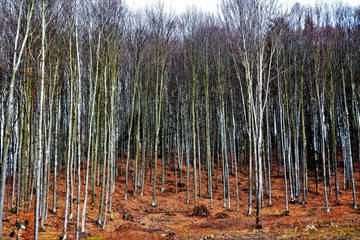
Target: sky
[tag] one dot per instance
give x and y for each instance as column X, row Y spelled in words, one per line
column 211, row 5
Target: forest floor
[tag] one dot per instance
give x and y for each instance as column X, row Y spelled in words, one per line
column 172, row 218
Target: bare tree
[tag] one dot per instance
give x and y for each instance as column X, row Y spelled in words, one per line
column 250, row 19
column 19, row 46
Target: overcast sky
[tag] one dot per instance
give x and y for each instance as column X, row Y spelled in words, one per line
column 211, row 5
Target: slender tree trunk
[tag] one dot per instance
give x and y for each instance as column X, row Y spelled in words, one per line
column 193, row 125
column 304, row 139
column 348, row 147
column 56, row 150
column 39, row 161
column 67, row 213
column 78, row 129
column 207, row 133
column 90, row 139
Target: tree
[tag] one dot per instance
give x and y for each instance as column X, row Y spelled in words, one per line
column 161, row 26
column 249, row 19
column 19, row 46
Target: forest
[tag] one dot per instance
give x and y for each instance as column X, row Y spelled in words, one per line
column 101, row 106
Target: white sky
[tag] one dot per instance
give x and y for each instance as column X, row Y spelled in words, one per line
column 211, row 5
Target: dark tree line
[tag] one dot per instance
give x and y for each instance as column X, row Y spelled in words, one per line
column 90, row 90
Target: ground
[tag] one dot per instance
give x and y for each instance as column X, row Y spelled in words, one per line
column 172, row 218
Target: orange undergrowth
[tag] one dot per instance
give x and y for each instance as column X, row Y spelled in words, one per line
column 172, row 218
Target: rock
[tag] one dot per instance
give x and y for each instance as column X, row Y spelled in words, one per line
column 208, row 237
column 20, row 225
column 311, row 228
column 84, row 235
column 169, row 234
